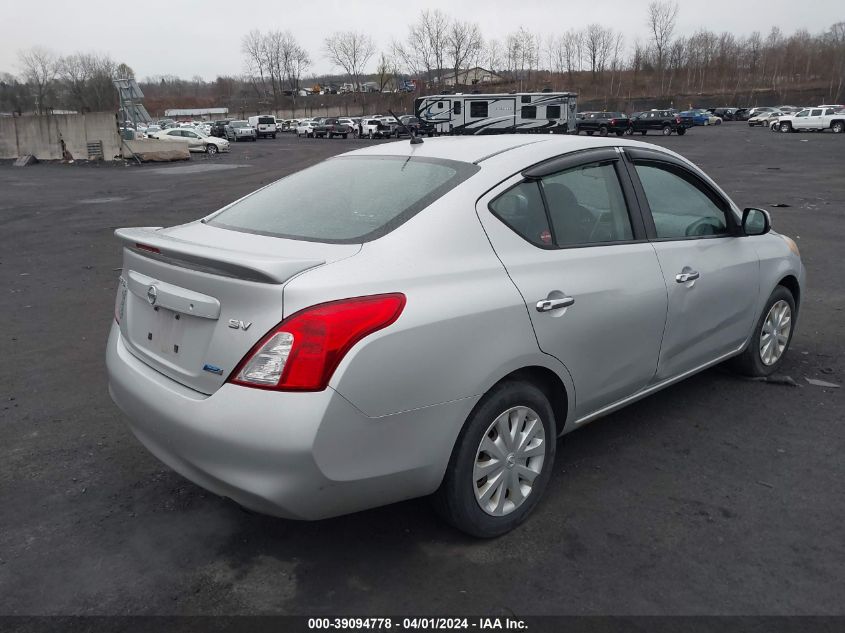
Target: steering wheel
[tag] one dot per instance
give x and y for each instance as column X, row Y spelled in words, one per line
column 700, row 227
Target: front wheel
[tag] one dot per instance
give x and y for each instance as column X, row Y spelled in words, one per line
column 785, row 127
column 602, row 131
column 838, row 127
column 346, row 135
column 667, row 130
column 771, row 338
column 501, row 462
column 211, row 149
column 682, row 131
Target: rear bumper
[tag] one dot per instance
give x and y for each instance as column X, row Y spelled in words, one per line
column 294, row 455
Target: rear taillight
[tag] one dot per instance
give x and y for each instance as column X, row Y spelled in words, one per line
column 613, row 121
column 302, row 352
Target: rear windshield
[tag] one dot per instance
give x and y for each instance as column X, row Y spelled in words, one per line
column 266, row 119
column 336, row 200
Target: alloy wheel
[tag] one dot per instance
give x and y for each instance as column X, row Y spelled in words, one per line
column 775, row 333
column 508, row 461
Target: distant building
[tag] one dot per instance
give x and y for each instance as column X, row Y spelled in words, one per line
column 470, row 77
column 217, row 112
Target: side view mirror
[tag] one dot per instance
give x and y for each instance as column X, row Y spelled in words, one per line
column 756, row 221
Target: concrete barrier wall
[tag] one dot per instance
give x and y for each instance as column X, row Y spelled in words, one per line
column 156, row 150
column 8, row 138
column 42, row 136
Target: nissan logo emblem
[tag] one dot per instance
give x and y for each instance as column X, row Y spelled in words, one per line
column 152, row 294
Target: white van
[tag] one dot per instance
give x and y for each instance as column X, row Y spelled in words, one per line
column 264, row 124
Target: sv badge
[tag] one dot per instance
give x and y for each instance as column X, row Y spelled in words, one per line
column 235, row 324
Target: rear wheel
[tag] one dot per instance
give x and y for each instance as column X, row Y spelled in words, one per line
column 501, row 462
column 771, row 338
column 838, row 127
column 667, row 130
column 682, row 131
column 603, row 131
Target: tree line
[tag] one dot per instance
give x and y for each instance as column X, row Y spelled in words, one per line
column 597, row 61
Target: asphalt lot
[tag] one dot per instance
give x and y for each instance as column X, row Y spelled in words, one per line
column 716, row 496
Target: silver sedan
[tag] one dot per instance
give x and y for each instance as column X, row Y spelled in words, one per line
column 438, row 333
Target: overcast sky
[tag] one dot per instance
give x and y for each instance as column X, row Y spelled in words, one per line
column 189, row 37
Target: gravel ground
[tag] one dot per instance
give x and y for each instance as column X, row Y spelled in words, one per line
column 716, row 496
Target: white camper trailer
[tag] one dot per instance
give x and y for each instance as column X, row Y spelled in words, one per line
column 499, row 113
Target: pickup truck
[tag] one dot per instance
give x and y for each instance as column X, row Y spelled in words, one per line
column 375, row 128
column 814, row 119
column 663, row 121
column 602, row 122
column 331, row 127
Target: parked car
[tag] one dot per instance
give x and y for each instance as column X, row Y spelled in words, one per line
column 817, row 119
column 331, row 127
column 305, row 128
column 700, row 116
column 309, row 377
column 664, row 121
column 265, row 125
column 152, row 130
column 240, row 131
column 763, row 118
column 197, row 140
column 752, row 112
column 218, row 128
column 602, row 122
column 726, row 114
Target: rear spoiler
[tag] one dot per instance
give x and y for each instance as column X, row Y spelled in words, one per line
column 149, row 242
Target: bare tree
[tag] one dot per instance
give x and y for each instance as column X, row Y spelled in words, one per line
column 351, row 50
column 491, row 56
column 662, row 17
column 597, row 43
column 572, row 53
column 39, row 66
column 463, row 45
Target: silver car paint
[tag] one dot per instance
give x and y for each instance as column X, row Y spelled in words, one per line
column 465, row 326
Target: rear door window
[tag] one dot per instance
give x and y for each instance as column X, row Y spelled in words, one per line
column 586, row 205
column 334, row 201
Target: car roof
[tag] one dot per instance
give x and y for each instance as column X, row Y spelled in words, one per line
column 478, row 149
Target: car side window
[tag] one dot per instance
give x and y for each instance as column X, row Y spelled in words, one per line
column 521, row 209
column 679, row 205
column 586, row 205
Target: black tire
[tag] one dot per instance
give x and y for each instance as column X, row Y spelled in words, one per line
column 274, row 136
column 785, row 127
column 345, row 135
column 667, row 130
column 370, row 135
column 603, row 130
column 837, row 127
column 455, row 499
column 749, row 363
column 211, row 149
column 629, row 131
column 644, row 132
column 682, row 131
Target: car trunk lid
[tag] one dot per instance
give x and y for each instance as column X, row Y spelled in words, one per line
column 194, row 299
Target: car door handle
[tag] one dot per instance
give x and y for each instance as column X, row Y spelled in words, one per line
column 547, row 305
column 683, row 278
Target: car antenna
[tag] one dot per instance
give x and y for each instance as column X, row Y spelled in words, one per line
column 415, row 140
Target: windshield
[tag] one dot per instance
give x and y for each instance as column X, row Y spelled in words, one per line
column 348, row 208
column 239, row 124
